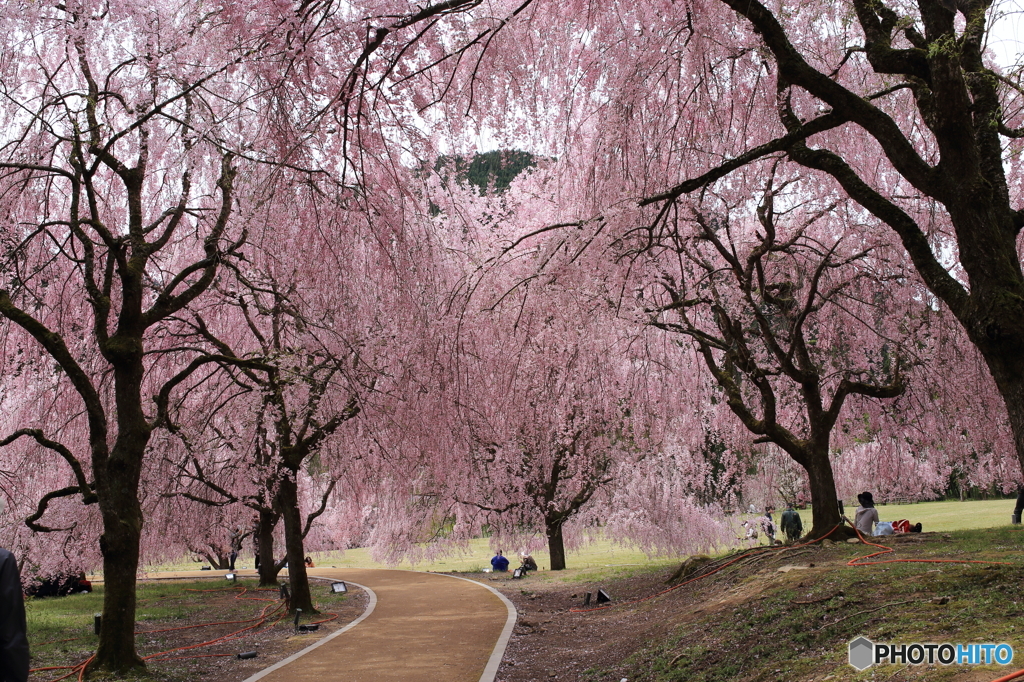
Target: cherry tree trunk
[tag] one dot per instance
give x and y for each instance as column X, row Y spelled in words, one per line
column 218, row 562
column 288, row 499
column 1007, row 369
column 825, row 514
column 268, row 569
column 117, row 488
column 1014, row 397
column 119, row 544
column 556, row 545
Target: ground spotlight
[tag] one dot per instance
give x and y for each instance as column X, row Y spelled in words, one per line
column 339, row 587
column 232, row 577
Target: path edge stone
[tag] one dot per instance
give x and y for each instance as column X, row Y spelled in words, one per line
column 298, row 654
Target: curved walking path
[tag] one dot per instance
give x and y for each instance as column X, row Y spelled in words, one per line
column 419, row 627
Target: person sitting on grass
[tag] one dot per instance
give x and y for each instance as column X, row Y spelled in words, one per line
column 867, row 516
column 528, row 563
column 499, row 563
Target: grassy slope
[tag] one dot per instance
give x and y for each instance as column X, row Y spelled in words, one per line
column 751, row 629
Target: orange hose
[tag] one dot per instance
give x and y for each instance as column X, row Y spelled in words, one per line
column 78, row 667
column 333, row 616
column 65, row 676
column 59, row 641
column 1012, row 676
column 262, row 618
column 81, row 672
column 201, row 625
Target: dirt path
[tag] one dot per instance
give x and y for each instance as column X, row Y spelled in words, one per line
column 422, row 627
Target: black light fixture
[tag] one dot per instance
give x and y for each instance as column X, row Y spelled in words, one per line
column 586, row 599
column 247, row 654
column 603, row 597
column 284, row 591
column 339, row 587
column 232, row 577
column 309, row 627
column 298, row 614
column 97, row 622
column 516, row 574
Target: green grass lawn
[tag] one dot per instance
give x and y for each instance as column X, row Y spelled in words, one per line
column 170, row 615
column 934, row 516
column 599, row 553
column 947, row 516
column 603, row 553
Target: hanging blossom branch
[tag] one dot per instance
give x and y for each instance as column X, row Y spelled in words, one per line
column 84, row 488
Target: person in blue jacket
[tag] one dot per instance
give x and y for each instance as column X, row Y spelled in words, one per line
column 13, row 630
column 499, row 563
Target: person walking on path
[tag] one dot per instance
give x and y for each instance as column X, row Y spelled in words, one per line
column 256, row 541
column 236, row 538
column 499, row 563
column 768, row 526
column 791, row 524
column 13, row 629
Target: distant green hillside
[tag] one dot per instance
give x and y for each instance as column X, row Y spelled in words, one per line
column 491, row 171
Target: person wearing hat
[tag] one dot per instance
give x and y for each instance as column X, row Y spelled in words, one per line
column 866, row 516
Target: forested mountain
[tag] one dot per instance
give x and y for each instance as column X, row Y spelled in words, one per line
column 495, row 170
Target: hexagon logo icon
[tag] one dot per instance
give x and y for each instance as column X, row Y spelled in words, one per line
column 862, row 653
